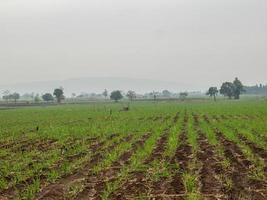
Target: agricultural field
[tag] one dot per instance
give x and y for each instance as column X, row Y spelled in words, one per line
column 156, row 150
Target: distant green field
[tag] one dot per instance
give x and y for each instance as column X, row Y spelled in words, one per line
column 185, row 150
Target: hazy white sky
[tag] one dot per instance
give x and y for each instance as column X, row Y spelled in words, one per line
column 202, row 42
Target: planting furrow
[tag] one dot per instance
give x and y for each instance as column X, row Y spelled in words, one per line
column 12, row 191
column 256, row 150
column 12, row 143
column 206, row 118
column 95, row 183
column 38, row 145
column 137, row 183
column 159, row 149
column 44, row 169
column 176, row 117
column 242, row 186
column 158, row 187
column 59, row 189
column 216, row 118
column 29, row 145
column 224, row 117
column 210, row 185
column 161, row 171
column 181, row 158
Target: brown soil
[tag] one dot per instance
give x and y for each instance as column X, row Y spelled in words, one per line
column 224, row 117
column 160, row 187
column 137, row 183
column 59, row 189
column 29, row 145
column 206, row 118
column 158, row 150
column 256, row 150
column 210, row 186
column 96, row 183
column 182, row 156
column 217, row 118
column 10, row 192
column 242, row 186
column 176, row 117
column 157, row 118
column 95, row 146
column 11, row 143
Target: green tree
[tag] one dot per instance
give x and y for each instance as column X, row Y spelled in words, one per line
column 131, row 95
column 227, row 89
column 212, row 92
column 116, row 95
column 48, row 97
column 238, row 88
column 59, row 94
column 183, row 95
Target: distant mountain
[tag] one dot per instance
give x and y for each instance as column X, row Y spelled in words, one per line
column 97, row 85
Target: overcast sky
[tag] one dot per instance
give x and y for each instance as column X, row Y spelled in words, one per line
column 202, row 42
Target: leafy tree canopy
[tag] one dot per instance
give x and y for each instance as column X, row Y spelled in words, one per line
column 227, row 89
column 238, row 88
column 59, row 94
column 212, row 92
column 116, row 95
column 48, row 97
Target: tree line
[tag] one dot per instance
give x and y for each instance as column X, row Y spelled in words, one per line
column 58, row 95
column 116, row 95
column 228, row 89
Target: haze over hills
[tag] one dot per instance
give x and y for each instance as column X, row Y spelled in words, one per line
column 97, row 85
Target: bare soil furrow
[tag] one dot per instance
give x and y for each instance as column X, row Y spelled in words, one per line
column 95, row 184
column 182, row 157
column 11, row 192
column 137, row 182
column 20, row 186
column 159, row 187
column 209, row 183
column 206, row 118
column 176, row 117
column 158, row 150
column 242, row 186
column 58, row 187
column 216, row 118
column 256, row 150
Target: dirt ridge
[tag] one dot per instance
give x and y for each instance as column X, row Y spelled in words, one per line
column 57, row 190
column 242, row 186
column 137, row 182
column 95, row 184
